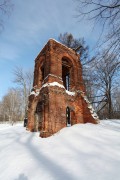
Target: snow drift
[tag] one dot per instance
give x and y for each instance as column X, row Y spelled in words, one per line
column 79, row 152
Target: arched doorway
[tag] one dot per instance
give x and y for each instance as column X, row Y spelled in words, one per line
column 39, row 116
column 68, row 117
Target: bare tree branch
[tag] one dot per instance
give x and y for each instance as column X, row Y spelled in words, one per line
column 107, row 13
column 24, row 80
column 6, row 7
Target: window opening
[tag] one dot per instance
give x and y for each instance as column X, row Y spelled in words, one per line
column 66, row 75
column 68, row 118
column 42, row 71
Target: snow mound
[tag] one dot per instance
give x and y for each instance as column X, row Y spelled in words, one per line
column 80, row 152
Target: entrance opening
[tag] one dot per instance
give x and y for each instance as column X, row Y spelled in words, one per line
column 39, row 107
column 68, row 117
column 39, row 116
column 66, row 74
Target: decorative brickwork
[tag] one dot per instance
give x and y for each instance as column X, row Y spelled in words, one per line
column 58, row 96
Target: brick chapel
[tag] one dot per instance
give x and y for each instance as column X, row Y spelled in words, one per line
column 58, row 98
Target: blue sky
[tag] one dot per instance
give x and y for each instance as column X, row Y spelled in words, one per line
column 28, row 29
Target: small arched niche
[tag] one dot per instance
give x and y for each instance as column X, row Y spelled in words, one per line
column 66, row 75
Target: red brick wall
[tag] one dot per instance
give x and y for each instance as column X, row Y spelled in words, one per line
column 54, row 99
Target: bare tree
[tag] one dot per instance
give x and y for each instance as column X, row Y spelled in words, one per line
column 5, row 9
column 1, row 112
column 11, row 106
column 107, row 13
column 24, row 81
column 106, row 72
column 116, row 103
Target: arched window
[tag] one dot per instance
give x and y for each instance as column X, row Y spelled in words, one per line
column 39, row 107
column 68, row 117
column 66, row 73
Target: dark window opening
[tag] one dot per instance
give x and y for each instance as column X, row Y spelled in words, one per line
column 68, row 118
column 39, row 107
column 66, row 76
column 42, row 71
column 25, row 122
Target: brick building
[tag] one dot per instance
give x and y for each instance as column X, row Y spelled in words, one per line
column 58, row 96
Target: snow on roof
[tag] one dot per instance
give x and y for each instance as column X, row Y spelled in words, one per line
column 33, row 93
column 56, row 42
column 62, row 44
column 70, row 93
column 51, row 84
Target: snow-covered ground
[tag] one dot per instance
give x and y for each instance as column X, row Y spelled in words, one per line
column 80, row 152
